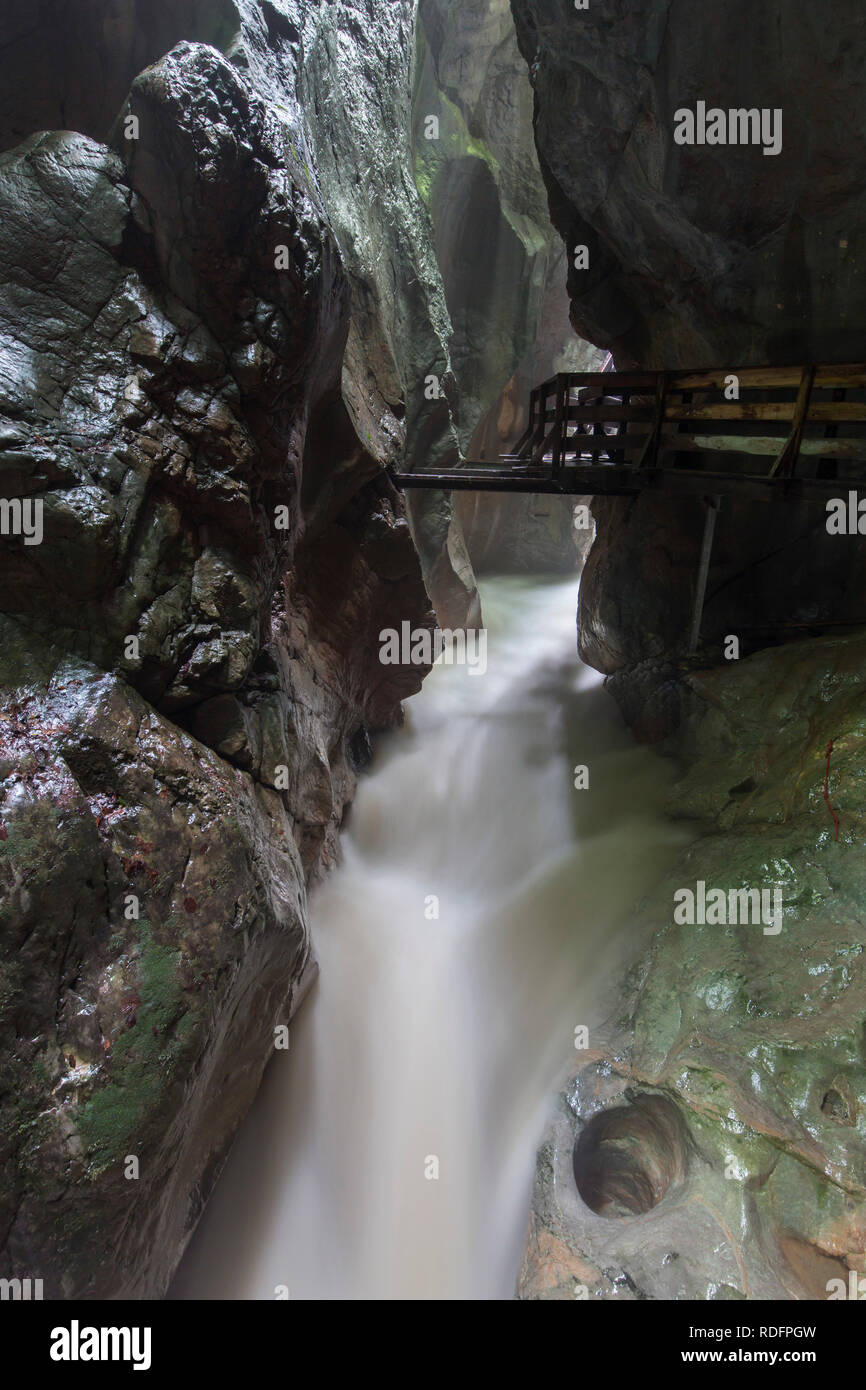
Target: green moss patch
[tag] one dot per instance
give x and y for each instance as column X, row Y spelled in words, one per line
column 118, row 1118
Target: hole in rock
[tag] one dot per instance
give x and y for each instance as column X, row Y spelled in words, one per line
column 360, row 749
column 626, row 1159
column 836, row 1107
column 742, row 788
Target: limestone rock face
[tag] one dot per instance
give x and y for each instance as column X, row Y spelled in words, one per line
column 69, row 67
column 700, row 253
column 189, row 656
column 699, row 256
column 776, row 576
column 755, row 1034
column 356, row 83
column 502, row 264
column 706, row 255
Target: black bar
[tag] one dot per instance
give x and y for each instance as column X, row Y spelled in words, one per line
column 215, row 1344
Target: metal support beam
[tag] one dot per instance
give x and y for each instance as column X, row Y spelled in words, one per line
column 713, row 504
column 624, row 480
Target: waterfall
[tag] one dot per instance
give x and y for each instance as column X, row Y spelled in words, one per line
column 390, row 1151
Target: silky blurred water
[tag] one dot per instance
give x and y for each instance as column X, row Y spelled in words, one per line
column 444, row 1038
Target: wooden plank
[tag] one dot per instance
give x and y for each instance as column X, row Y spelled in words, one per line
column 819, row 412
column 538, row 432
column 733, row 410
column 649, row 454
column 642, row 427
column 837, row 412
column 850, row 376
column 622, row 429
column 750, row 378
column 763, row 444
column 541, row 449
column 804, row 401
column 611, row 444
column 723, row 443
column 526, row 438
column 603, row 414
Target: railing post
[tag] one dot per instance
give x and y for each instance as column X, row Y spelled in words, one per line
column 649, row 453
column 713, row 504
column 787, row 460
column 558, row 443
column 533, row 418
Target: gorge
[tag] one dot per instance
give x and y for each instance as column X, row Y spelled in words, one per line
column 259, row 257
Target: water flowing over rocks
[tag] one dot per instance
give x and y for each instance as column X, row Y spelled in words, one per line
column 758, row 1037
column 189, row 659
column 239, row 284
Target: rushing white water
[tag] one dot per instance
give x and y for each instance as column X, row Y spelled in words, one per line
column 445, row 1037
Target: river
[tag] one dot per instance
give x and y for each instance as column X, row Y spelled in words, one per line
column 390, row 1151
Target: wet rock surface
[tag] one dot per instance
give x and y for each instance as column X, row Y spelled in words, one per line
column 756, row 1035
column 357, row 86
column 502, row 263
column 776, row 576
column 700, row 253
column 189, row 659
column 706, row 255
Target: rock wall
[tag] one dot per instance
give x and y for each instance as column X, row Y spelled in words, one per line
column 754, row 1038
column 699, row 253
column 356, row 84
column 711, row 1143
column 189, row 656
column 502, row 265
column 705, row 256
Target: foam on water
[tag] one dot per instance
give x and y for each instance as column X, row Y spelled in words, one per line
column 445, row 1037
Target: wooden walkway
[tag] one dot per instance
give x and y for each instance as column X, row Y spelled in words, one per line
column 792, row 433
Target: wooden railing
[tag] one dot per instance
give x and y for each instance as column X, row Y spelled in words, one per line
column 701, row 434
column 769, row 433
column 798, row 418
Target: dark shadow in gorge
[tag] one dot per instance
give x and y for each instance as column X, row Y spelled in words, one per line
column 69, row 66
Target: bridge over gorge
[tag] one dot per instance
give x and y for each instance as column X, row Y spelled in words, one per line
column 773, row 434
